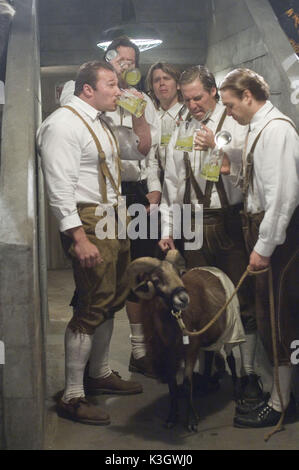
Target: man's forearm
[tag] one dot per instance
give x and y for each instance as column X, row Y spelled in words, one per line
column 86, row 252
column 142, row 130
column 77, row 234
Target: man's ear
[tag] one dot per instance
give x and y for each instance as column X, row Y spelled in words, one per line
column 213, row 91
column 87, row 90
column 247, row 95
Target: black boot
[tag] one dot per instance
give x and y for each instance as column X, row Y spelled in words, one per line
column 264, row 416
column 260, row 418
column 252, row 389
column 243, row 406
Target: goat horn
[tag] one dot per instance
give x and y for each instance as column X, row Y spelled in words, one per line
column 142, row 265
column 174, row 257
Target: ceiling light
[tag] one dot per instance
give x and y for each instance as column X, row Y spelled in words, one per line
column 143, row 36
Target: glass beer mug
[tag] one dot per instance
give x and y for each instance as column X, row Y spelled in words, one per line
column 210, row 169
column 185, row 136
column 167, row 128
column 131, row 103
column 130, row 74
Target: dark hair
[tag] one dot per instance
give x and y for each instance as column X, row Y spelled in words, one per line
column 240, row 80
column 202, row 73
column 125, row 42
column 171, row 70
column 88, row 74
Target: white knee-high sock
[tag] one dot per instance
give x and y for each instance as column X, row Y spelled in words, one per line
column 247, row 351
column 137, row 340
column 285, row 377
column 77, row 351
column 99, row 357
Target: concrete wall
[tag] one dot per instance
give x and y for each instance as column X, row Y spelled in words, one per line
column 246, row 33
column 56, row 258
column 21, row 325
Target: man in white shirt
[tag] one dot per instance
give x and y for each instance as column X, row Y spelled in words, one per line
column 80, row 162
column 140, row 184
column 162, row 85
column 223, row 244
column 269, row 176
column 140, row 179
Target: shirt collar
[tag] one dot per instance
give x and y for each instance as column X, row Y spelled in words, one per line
column 260, row 115
column 173, row 111
column 85, row 107
column 215, row 116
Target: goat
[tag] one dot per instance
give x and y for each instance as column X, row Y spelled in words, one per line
column 199, row 294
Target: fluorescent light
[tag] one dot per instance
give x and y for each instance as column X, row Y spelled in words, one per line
column 143, row 36
column 143, row 44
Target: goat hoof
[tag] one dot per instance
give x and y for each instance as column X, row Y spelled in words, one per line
column 192, row 427
column 170, row 424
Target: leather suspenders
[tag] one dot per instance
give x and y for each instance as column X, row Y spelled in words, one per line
column 204, row 198
column 104, row 172
column 248, row 177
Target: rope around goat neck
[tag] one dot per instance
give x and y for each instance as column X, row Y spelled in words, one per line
column 222, row 309
column 178, row 316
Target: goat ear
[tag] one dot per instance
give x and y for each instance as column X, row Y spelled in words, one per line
column 144, row 290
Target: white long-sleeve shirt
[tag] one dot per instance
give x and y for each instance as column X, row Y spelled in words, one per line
column 170, row 117
column 131, row 170
column 275, row 176
column 175, row 172
column 69, row 159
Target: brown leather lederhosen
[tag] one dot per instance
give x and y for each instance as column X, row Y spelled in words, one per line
column 223, row 244
column 285, row 271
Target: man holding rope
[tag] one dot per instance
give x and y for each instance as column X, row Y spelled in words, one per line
column 268, row 175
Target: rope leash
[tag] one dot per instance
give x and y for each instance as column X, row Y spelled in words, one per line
column 178, row 315
column 279, row 426
column 186, row 333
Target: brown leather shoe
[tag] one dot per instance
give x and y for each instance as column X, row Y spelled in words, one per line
column 79, row 409
column 113, row 384
column 142, row 366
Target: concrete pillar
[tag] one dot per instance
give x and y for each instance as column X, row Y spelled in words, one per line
column 21, row 326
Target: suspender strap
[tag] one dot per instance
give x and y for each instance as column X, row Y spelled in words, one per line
column 219, row 185
column 205, row 198
column 190, row 180
column 104, row 171
column 220, row 123
column 248, row 178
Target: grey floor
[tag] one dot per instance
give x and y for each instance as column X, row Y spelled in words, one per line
column 137, row 421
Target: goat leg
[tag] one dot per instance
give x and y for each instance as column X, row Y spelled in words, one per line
column 192, row 416
column 174, row 407
column 209, row 358
column 236, row 381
